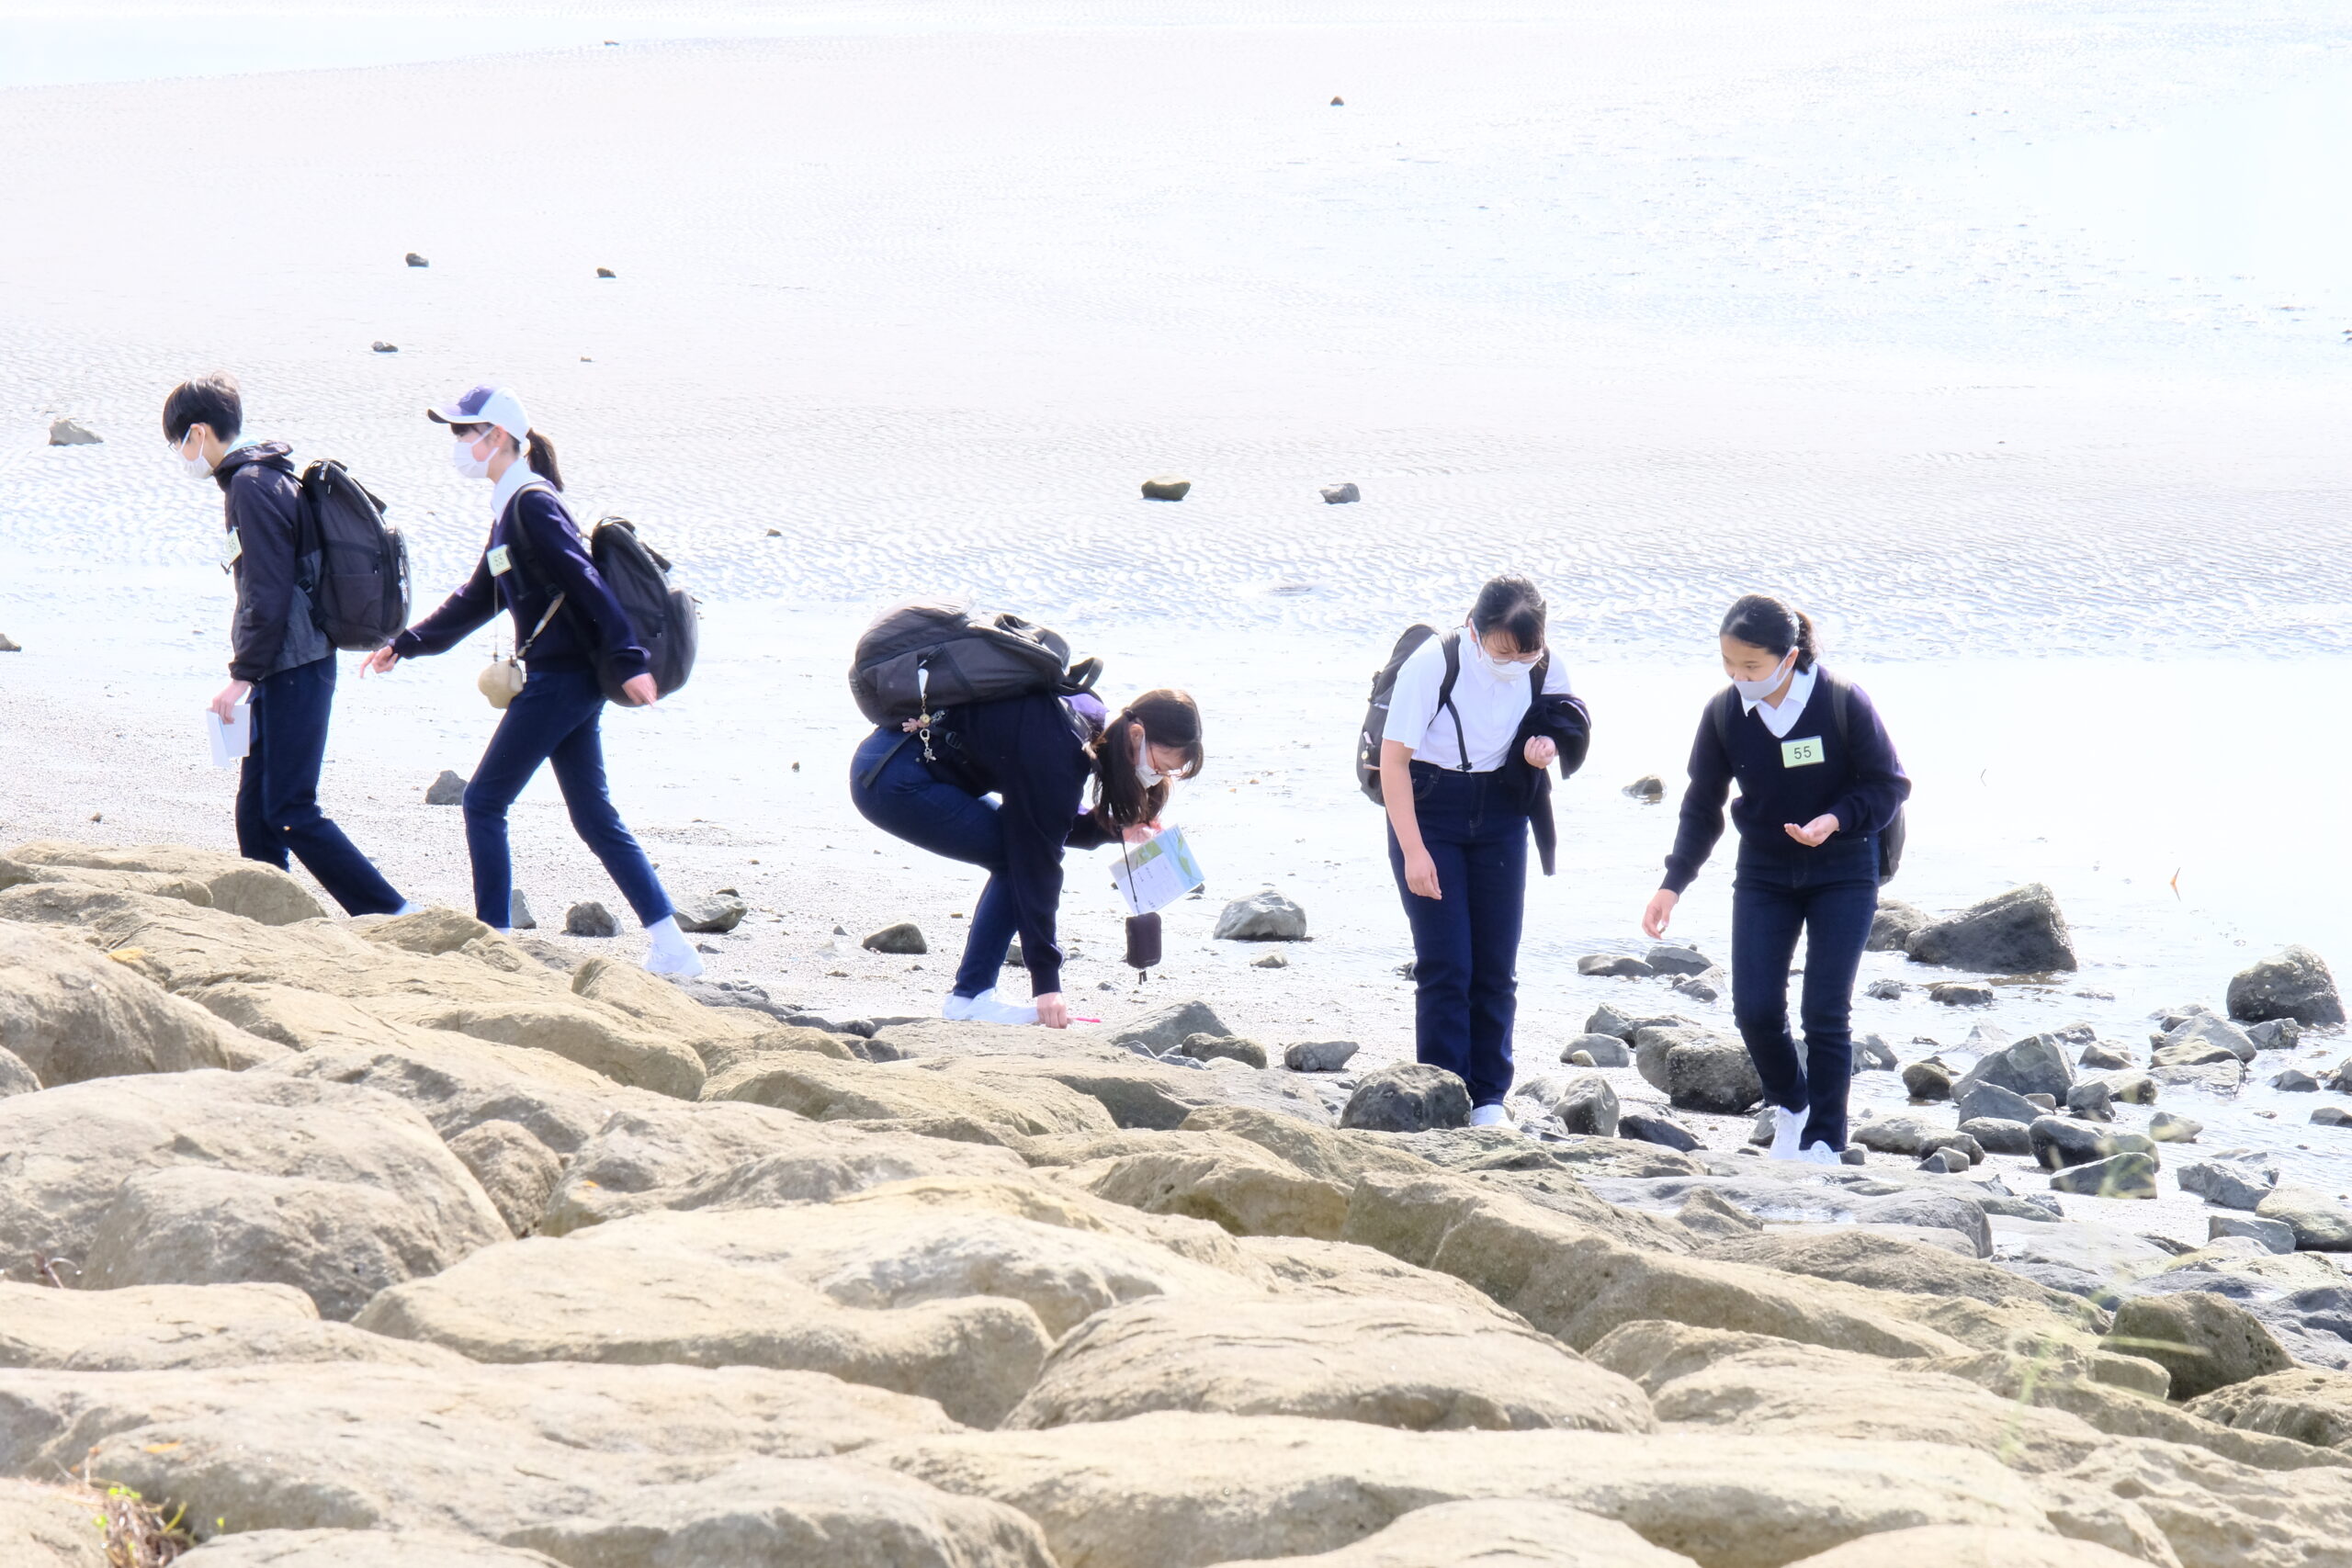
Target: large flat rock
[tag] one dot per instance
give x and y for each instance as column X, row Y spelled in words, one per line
column 71, row 1013
column 1511, row 1532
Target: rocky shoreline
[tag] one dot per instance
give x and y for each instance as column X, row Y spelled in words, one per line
column 401, row 1242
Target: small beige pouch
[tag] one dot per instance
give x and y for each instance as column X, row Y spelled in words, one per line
column 502, row 680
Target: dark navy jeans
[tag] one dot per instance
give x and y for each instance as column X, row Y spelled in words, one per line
column 278, row 791
column 1830, row 894
column 554, row 719
column 1465, row 942
column 906, row 800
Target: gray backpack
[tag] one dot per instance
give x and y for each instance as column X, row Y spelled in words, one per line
column 921, row 658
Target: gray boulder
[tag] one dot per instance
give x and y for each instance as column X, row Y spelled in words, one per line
column 1663, row 1131
column 1999, row 1135
column 2127, row 1175
column 1588, row 1106
column 1613, row 965
column 2058, row 1143
column 2332, row 1116
column 1933, row 1209
column 898, row 937
column 1894, row 925
column 1408, row 1098
column 1602, row 1050
column 1696, row 987
column 2167, row 1128
column 1649, row 786
column 1227, row 1047
column 1666, row 959
column 446, row 790
column 2241, row 1183
column 1158, row 1034
column 1319, row 1055
column 1609, row 1021
column 1898, row 1136
column 1945, row 1162
column 2091, row 1101
column 2036, row 1064
column 1716, row 1077
column 721, row 911
column 1988, row 1099
column 2195, row 1039
column 514, row 1168
column 1873, row 1054
column 2101, row 1055
column 2321, row 1223
column 2272, row 1235
column 1928, row 1080
column 590, row 918
column 2294, row 1080
column 518, row 913
column 15, row 1077
column 1166, row 487
column 1653, row 1041
column 2276, row 1034
column 2018, row 932
column 2294, row 984
column 1960, row 994
column 1341, row 494
column 73, row 433
column 1264, row 916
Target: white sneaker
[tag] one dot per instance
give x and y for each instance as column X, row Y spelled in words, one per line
column 1489, row 1116
column 1788, row 1132
column 671, row 953
column 685, row 966
column 1819, row 1152
column 986, row 1008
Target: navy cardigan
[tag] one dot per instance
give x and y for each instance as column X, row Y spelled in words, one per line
column 1858, row 779
column 1028, row 750
column 550, row 559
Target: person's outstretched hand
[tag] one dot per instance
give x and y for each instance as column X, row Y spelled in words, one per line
column 640, row 691
column 1052, row 1011
column 379, row 662
column 1811, row 834
column 1659, row 912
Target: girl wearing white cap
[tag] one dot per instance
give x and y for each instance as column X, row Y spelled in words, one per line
column 536, row 566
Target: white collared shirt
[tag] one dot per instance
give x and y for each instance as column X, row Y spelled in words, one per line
column 1490, row 708
column 1781, row 719
column 516, row 476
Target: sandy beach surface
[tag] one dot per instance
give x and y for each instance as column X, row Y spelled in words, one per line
column 2011, row 340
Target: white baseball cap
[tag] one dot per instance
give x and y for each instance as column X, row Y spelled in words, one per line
column 486, row 405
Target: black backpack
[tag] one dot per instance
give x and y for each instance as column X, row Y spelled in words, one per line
column 1726, row 709
column 661, row 614
column 361, row 600
column 921, row 657
column 668, row 625
column 1383, row 683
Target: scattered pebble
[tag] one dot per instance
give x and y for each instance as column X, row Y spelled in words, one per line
column 414, row 260
column 446, row 790
column 1271, row 961
column 1649, row 786
column 380, row 346
column 901, row 936
column 1340, row 494
column 1166, row 487
column 590, row 918
column 1264, row 916
column 518, row 913
column 73, row 433
column 606, row 272
column 8, row 647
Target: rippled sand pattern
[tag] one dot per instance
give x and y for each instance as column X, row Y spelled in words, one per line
column 1657, row 303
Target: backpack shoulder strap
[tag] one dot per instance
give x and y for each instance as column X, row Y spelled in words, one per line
column 1721, row 712
column 1536, row 677
column 1451, row 643
column 1841, row 702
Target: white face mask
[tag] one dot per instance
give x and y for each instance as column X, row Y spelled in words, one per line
column 462, row 458
column 1499, row 669
column 1152, row 777
column 1757, row 691
column 194, row 467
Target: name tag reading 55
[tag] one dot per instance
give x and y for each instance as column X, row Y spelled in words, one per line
column 1802, row 753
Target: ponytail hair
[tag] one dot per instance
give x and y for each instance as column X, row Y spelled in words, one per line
column 1163, row 718
column 540, row 453
column 1761, row 621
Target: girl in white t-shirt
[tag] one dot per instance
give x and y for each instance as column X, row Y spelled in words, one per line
column 1475, row 719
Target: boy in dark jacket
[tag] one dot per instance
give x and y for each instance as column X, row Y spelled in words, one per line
column 279, row 656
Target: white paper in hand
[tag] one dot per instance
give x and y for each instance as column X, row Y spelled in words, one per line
column 1155, row 873
column 231, row 740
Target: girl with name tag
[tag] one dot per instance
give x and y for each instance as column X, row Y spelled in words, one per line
column 1475, row 718
column 1034, row 754
column 536, row 566
column 1819, row 783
